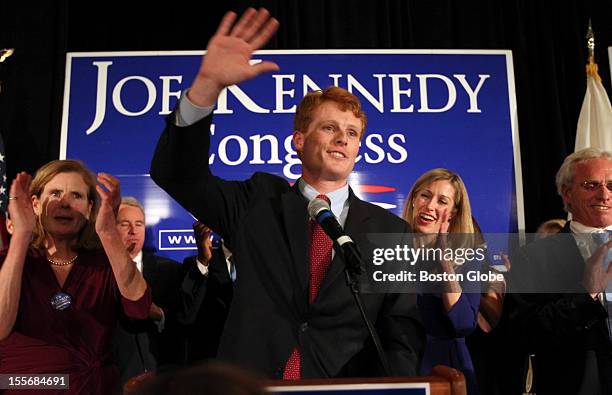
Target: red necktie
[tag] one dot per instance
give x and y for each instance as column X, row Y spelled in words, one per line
column 319, row 258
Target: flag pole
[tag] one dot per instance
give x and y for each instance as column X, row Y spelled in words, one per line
column 4, row 55
column 594, row 128
column 591, row 67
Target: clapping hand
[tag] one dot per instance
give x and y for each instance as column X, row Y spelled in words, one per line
column 595, row 277
column 20, row 204
column 110, row 197
column 442, row 238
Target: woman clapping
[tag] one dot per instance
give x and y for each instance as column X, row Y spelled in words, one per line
column 60, row 292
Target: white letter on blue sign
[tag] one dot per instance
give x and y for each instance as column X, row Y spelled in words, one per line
column 353, row 83
column 472, row 93
column 398, row 92
column 152, row 93
column 166, row 92
column 280, row 93
column 101, row 96
column 242, row 97
column 452, row 92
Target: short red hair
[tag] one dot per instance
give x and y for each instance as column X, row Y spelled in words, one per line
column 345, row 100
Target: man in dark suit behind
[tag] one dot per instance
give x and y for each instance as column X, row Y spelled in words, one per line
column 272, row 326
column 556, row 308
column 156, row 343
column 207, row 290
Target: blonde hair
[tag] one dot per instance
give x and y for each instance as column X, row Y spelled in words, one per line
column 550, row 227
column 133, row 202
column 461, row 220
column 87, row 238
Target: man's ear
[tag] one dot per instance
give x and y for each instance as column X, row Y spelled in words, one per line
column 566, row 194
column 298, row 140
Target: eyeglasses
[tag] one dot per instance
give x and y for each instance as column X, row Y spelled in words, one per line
column 595, row 185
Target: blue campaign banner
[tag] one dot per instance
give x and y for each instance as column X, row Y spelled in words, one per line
column 426, row 109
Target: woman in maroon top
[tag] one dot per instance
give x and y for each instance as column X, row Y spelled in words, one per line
column 60, row 293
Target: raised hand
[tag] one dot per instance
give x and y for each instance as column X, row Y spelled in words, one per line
column 155, row 312
column 506, row 261
column 204, row 244
column 110, row 199
column 20, row 204
column 229, row 51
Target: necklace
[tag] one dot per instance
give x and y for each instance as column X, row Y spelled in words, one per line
column 57, row 263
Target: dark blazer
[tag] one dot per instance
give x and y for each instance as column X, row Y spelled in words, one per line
column 138, row 346
column 554, row 317
column 206, row 302
column 264, row 221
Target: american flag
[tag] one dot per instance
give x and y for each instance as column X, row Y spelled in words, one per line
column 4, row 54
column 3, row 189
column 3, row 197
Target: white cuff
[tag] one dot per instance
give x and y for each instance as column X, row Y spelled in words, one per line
column 162, row 322
column 188, row 113
column 202, row 267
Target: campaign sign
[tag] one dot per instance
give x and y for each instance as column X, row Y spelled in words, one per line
column 425, row 109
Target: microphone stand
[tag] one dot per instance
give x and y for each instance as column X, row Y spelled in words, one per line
column 352, row 267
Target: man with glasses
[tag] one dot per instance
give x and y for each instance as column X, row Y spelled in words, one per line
column 557, row 304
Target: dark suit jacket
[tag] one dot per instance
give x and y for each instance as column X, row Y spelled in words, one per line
column 206, row 302
column 264, row 221
column 165, row 349
column 555, row 318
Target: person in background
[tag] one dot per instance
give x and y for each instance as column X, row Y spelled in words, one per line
column 489, row 350
column 211, row 378
column 60, row 293
column 207, row 291
column 438, row 204
column 556, row 302
column 550, row 227
column 292, row 315
column 155, row 343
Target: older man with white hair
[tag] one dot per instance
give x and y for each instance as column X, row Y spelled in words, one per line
column 557, row 306
column 156, row 343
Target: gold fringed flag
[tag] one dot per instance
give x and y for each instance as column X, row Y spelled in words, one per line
column 594, row 128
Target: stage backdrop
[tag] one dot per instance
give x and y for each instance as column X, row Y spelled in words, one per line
column 426, row 109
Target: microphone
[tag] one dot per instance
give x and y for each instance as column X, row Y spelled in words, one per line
column 320, row 211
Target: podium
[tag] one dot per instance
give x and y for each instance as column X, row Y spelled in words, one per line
column 443, row 381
